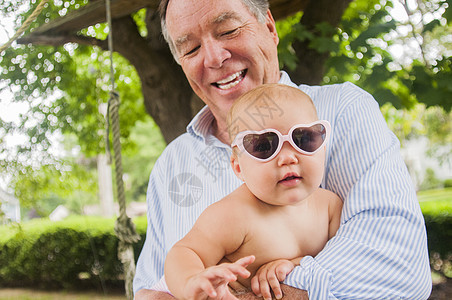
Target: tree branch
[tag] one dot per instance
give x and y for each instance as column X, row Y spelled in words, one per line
column 415, row 35
column 61, row 39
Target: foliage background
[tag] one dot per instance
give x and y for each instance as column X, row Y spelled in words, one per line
column 65, row 90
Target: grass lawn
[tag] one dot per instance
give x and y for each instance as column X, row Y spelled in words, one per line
column 28, row 294
column 436, row 200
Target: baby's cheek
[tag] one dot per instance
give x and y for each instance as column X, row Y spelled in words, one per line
column 259, row 185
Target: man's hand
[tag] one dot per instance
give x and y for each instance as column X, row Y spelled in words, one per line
column 152, row 295
column 289, row 293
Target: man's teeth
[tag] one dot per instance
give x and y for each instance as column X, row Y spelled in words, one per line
column 230, row 81
column 230, row 78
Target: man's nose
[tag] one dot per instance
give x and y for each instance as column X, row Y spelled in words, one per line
column 287, row 155
column 215, row 54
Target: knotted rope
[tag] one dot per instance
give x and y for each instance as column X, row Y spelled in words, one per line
column 124, row 227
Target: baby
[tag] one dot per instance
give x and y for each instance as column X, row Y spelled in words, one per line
column 279, row 215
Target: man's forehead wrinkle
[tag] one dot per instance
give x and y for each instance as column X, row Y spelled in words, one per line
column 217, row 20
column 179, row 41
column 225, row 16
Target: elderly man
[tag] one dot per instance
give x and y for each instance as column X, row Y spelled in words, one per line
column 226, row 48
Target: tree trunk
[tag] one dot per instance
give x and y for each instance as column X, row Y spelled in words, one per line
column 166, row 92
column 311, row 64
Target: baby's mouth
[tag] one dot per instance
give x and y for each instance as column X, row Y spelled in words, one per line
column 230, row 81
column 289, row 178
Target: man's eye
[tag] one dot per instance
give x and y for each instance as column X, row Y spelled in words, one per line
column 192, row 51
column 229, row 32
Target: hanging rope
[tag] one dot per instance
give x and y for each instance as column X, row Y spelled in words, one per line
column 25, row 25
column 124, row 227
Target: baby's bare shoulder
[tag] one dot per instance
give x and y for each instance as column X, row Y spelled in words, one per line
column 328, row 197
column 237, row 204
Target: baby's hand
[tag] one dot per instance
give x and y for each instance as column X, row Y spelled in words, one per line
column 213, row 282
column 269, row 276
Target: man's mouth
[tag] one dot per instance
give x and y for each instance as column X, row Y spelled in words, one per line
column 230, row 81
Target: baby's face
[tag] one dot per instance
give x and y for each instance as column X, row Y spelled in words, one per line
column 290, row 176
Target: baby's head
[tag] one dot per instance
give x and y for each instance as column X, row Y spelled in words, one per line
column 266, row 104
column 277, row 128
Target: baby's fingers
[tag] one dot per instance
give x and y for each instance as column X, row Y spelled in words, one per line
column 207, row 287
column 264, row 282
column 283, row 269
column 239, row 267
column 264, row 287
column 245, row 261
column 202, row 289
column 255, row 287
column 221, row 273
column 274, row 284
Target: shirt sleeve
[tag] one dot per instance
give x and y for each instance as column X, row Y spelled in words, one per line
column 152, row 257
column 380, row 249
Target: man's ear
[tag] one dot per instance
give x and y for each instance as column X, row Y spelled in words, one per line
column 271, row 25
column 235, row 164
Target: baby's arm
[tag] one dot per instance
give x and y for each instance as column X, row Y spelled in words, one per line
column 190, row 266
column 270, row 275
column 210, row 282
column 334, row 212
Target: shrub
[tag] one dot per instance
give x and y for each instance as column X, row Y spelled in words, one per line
column 448, row 183
column 67, row 254
column 82, row 251
column 439, row 233
column 438, row 221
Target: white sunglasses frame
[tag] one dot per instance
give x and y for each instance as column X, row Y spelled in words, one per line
column 238, row 140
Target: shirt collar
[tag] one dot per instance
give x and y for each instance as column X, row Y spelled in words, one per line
column 285, row 79
column 200, row 126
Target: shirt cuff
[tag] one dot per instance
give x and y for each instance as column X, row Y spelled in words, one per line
column 311, row 277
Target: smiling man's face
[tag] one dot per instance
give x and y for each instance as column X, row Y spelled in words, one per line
column 223, row 49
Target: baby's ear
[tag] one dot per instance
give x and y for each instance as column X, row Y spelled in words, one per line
column 235, row 164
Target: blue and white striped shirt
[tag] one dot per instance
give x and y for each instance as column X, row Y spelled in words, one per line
column 380, row 249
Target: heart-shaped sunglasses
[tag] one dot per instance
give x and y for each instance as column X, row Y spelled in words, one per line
column 265, row 144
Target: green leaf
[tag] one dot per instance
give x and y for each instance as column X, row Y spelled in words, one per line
column 448, row 12
column 432, row 25
column 383, row 95
column 324, row 45
column 340, row 63
column 372, row 32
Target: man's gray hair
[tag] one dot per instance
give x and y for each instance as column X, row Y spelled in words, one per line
column 257, row 7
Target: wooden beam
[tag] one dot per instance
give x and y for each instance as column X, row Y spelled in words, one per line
column 94, row 13
column 91, row 14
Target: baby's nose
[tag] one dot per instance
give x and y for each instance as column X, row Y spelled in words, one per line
column 287, row 155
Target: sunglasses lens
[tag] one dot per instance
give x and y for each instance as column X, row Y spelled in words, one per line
column 309, row 139
column 261, row 146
